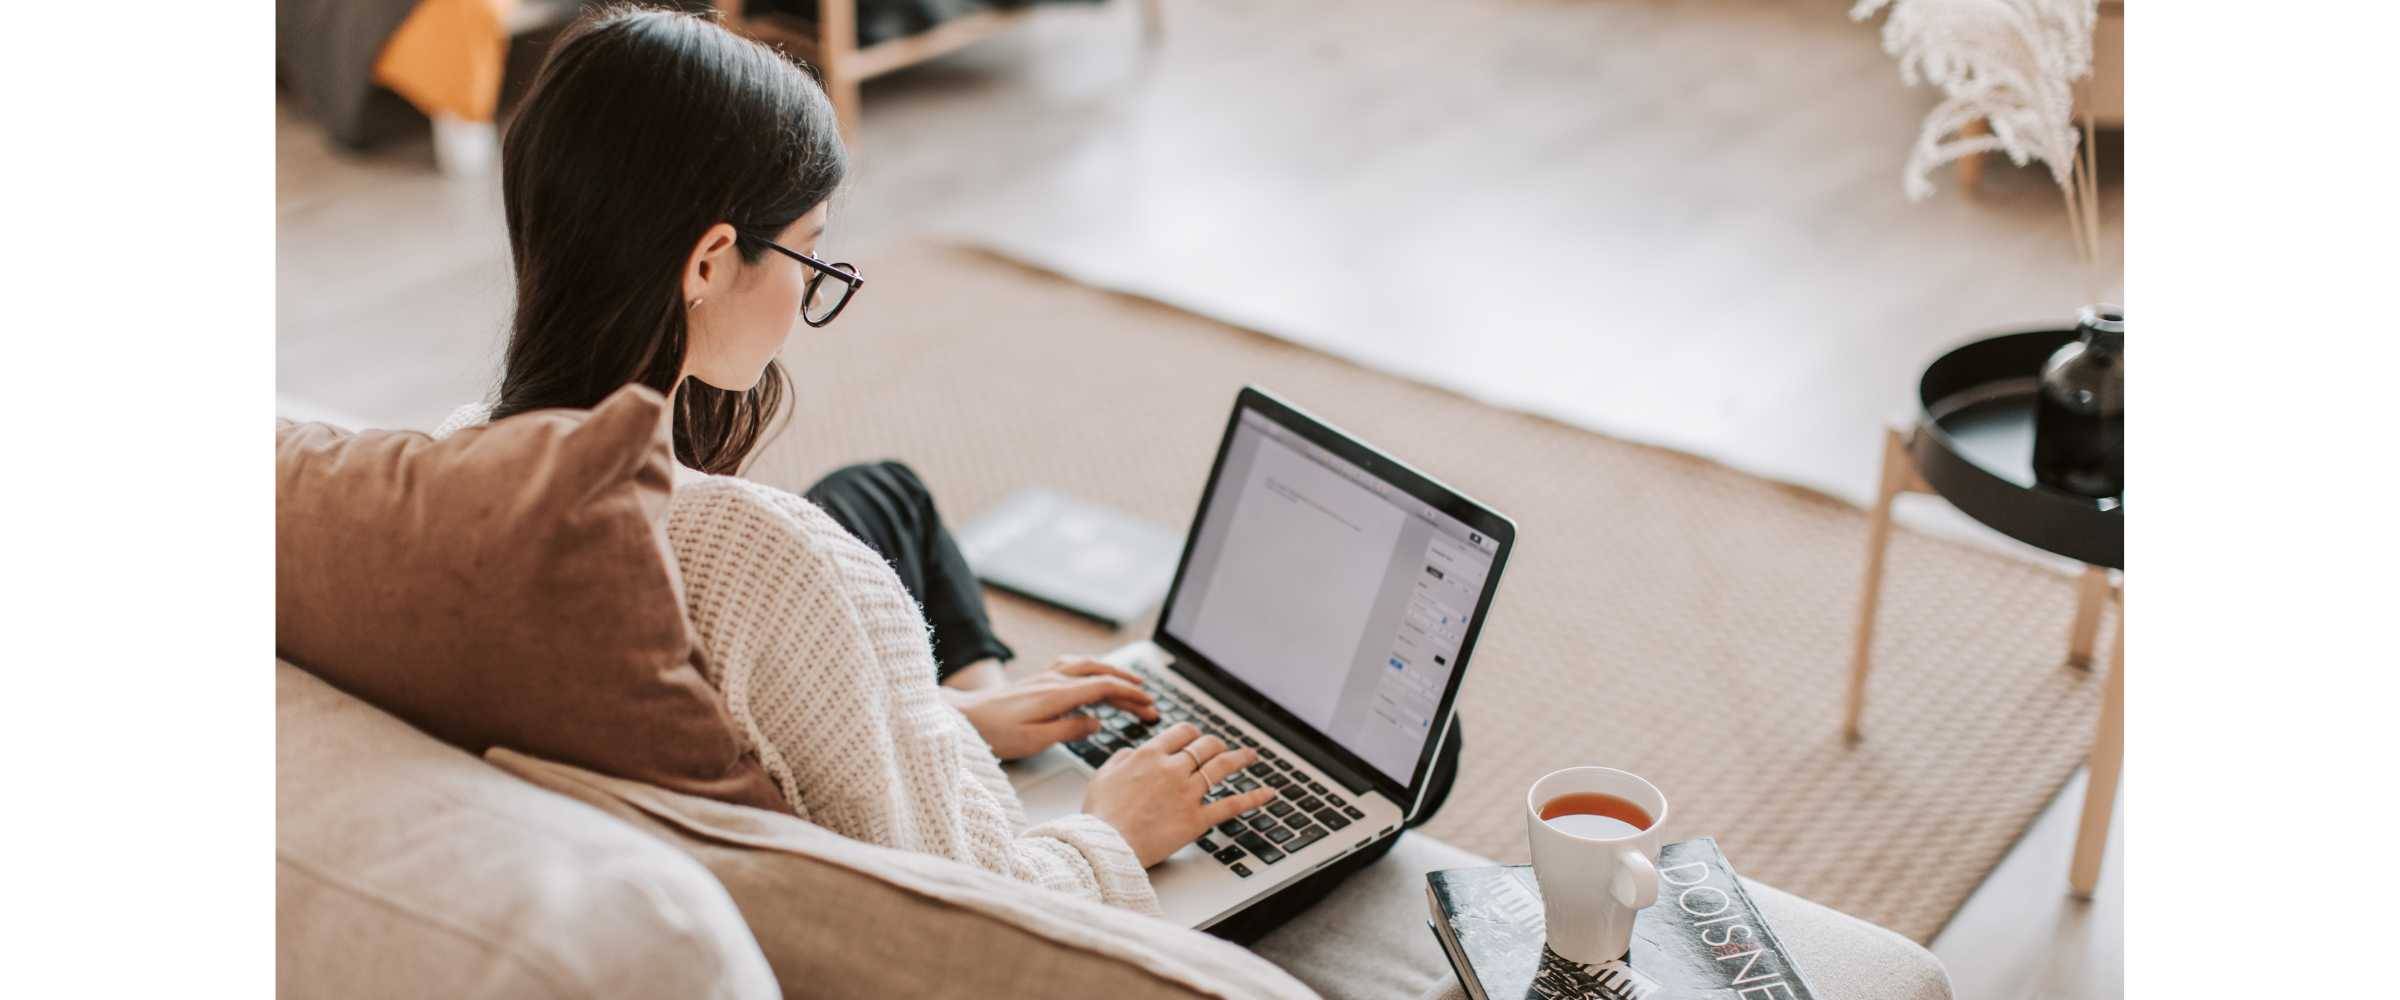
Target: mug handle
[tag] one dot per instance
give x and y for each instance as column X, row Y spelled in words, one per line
column 1636, row 881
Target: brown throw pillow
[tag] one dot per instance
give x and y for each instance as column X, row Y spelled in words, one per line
column 508, row 586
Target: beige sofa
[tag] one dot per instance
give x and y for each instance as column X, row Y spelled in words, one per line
column 408, row 868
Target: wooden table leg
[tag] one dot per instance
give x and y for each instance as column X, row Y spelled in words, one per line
column 2091, row 595
column 844, row 92
column 837, row 51
column 1154, row 23
column 1899, row 476
column 2108, row 764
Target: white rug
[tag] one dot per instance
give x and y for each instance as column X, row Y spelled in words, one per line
column 1675, row 223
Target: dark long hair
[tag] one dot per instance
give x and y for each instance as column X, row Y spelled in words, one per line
column 643, row 129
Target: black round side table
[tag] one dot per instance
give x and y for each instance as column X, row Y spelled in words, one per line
column 1972, row 444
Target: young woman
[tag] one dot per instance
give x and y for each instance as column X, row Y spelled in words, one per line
column 665, row 183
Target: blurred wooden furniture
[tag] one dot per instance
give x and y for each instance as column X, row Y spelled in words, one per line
column 831, row 43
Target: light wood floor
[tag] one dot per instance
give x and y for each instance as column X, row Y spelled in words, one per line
column 393, row 281
column 2022, row 937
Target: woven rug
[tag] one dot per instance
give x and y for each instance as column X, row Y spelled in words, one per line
column 1661, row 613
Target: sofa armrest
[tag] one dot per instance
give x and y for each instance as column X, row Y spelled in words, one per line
column 408, row 868
column 838, row 917
column 1368, row 938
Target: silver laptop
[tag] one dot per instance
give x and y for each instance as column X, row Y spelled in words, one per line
column 1323, row 611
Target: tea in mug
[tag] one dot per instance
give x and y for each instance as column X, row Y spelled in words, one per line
column 1595, row 814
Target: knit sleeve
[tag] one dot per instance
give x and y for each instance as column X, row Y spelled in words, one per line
column 470, row 415
column 825, row 663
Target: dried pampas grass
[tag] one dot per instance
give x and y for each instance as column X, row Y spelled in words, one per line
column 2011, row 64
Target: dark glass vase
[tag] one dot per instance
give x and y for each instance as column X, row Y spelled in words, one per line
column 2079, row 421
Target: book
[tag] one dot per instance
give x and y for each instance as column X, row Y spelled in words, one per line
column 1097, row 562
column 1703, row 940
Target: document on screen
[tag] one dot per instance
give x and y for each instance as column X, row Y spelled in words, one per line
column 1296, row 580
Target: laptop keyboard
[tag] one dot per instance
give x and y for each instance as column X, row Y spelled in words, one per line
column 1305, row 812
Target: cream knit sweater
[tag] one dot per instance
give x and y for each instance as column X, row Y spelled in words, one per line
column 827, row 666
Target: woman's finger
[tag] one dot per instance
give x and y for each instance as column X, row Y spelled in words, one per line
column 1130, row 697
column 1205, row 749
column 1231, row 806
column 1223, row 766
column 1066, row 727
column 1084, row 666
column 1143, row 707
column 1077, row 693
column 1173, row 738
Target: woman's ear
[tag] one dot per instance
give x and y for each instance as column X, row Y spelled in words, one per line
column 710, row 269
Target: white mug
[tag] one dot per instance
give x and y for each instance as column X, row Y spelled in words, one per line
column 1593, row 886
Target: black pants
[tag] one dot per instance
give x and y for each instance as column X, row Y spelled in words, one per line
column 886, row 506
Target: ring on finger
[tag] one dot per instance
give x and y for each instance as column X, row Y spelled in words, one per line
column 1193, row 757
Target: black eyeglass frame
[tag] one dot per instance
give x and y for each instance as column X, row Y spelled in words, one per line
column 845, row 272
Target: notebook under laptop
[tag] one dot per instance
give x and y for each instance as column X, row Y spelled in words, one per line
column 1324, row 609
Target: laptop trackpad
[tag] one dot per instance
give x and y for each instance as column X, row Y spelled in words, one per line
column 1049, row 792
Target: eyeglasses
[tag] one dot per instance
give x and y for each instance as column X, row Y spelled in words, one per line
column 830, row 286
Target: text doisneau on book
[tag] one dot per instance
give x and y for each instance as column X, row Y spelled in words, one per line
column 1703, row 940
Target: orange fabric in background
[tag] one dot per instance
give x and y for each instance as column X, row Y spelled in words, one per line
column 446, row 58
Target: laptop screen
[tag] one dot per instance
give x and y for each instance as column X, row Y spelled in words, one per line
column 1333, row 593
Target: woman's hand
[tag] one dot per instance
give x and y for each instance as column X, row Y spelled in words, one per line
column 1023, row 718
column 1152, row 793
